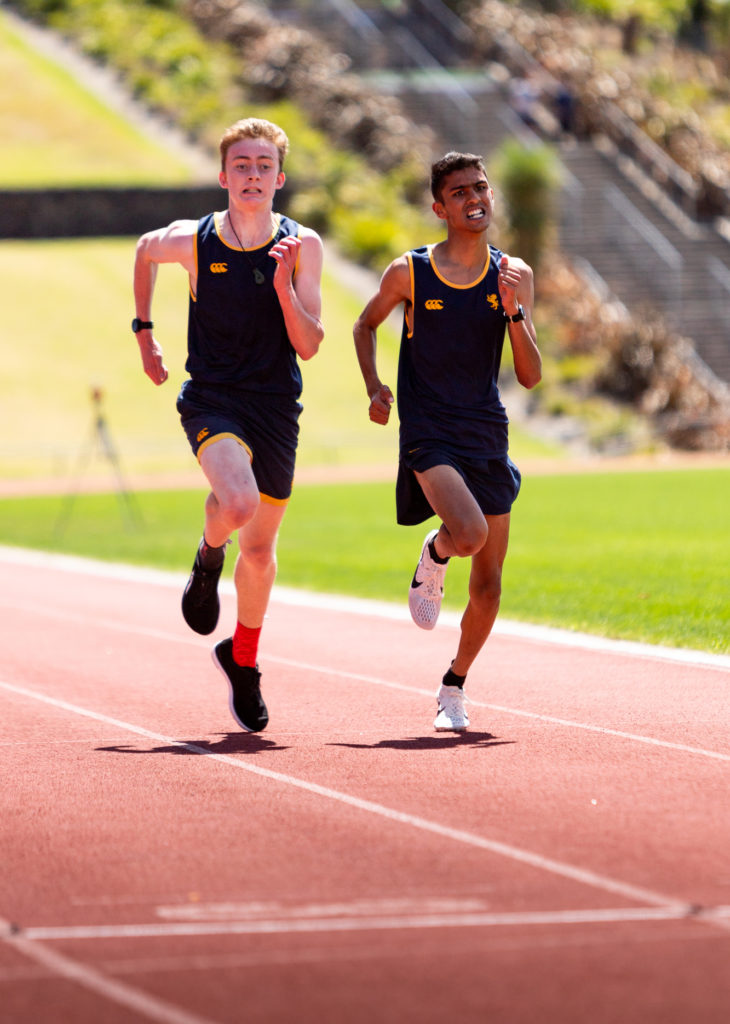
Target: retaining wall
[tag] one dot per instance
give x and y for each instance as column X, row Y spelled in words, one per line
column 102, row 212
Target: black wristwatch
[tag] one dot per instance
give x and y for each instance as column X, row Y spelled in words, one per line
column 141, row 325
column 515, row 319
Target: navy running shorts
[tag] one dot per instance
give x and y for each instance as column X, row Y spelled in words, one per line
column 495, row 483
column 266, row 425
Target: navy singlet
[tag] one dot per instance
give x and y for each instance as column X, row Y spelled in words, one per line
column 450, row 354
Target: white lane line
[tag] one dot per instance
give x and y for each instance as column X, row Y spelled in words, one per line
column 294, row 926
column 146, row 1005
column 568, row 723
column 191, row 641
column 363, row 606
column 503, row 627
column 581, row 876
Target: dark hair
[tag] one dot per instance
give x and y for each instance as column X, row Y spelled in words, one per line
column 452, row 161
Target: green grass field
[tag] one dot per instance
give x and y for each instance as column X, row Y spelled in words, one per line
column 640, row 556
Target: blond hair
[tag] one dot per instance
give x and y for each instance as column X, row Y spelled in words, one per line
column 254, row 128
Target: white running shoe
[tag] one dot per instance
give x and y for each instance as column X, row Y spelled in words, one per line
column 427, row 587
column 452, row 716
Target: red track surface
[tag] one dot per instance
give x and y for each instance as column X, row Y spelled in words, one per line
column 565, row 860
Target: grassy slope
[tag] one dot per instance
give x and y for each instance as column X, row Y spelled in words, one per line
column 52, row 362
column 57, row 132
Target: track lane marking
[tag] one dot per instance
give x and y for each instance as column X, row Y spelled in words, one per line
column 158, row 634
column 120, row 992
column 581, row 876
column 291, row 926
column 568, row 723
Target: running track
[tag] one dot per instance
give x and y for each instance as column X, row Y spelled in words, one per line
column 566, row 860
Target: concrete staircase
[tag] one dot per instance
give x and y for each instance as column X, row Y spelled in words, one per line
column 615, row 221
column 649, row 253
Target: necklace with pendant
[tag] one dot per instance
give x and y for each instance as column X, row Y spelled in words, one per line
column 258, row 275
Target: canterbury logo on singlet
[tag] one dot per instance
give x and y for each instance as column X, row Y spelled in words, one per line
column 434, row 303
column 203, row 433
column 493, row 301
column 219, row 268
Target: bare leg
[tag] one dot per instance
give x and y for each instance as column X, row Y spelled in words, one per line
column 234, row 497
column 234, row 504
column 255, row 570
column 463, row 529
column 466, row 531
column 485, row 588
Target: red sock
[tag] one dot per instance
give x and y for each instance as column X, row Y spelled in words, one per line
column 245, row 645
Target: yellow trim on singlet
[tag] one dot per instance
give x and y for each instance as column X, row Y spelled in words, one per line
column 299, row 254
column 193, row 296
column 218, row 222
column 408, row 308
column 452, row 284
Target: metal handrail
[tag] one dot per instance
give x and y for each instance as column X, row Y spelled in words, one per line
column 653, row 159
column 447, row 19
column 627, row 136
column 666, row 252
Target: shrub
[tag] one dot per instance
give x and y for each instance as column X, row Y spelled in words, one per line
column 528, row 177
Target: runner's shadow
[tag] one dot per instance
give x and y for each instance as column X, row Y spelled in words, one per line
column 231, row 743
column 440, row 742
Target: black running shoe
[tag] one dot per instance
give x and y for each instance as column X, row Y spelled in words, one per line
column 200, row 604
column 245, row 701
